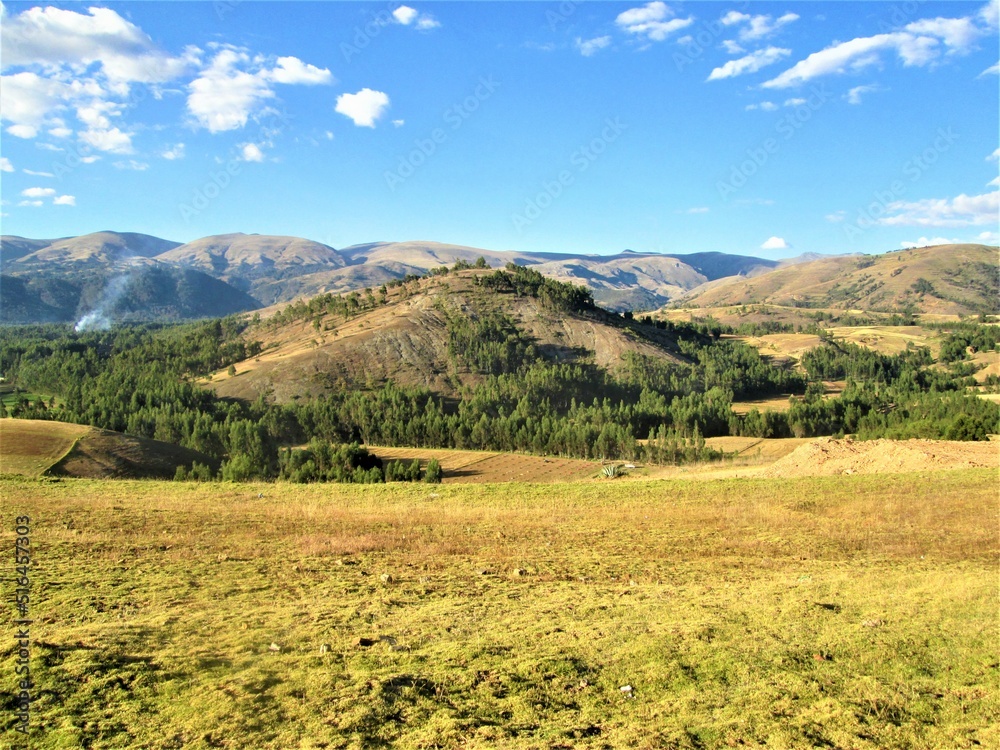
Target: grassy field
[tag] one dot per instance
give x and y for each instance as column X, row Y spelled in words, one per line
column 31, row 446
column 849, row 612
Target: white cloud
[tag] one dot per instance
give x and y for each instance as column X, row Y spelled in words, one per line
column 34, row 173
column 756, row 27
column 251, row 152
column 112, row 140
column 60, row 132
column 174, row 152
column 364, row 107
column 993, row 70
column 961, row 211
column 732, row 47
column 408, row 16
column 291, row 70
column 698, row 210
column 854, row 95
column 774, row 243
column 590, row 46
column 23, row 131
column 995, row 156
column 995, row 182
column 5, row 165
column 33, row 204
column 38, row 192
column 749, row 64
column 917, row 44
column 989, row 238
column 795, row 101
column 132, row 165
column 405, row 15
column 836, row 216
column 89, row 159
column 654, row 21
column 398, row 123
column 223, row 96
column 765, row 106
column 64, row 200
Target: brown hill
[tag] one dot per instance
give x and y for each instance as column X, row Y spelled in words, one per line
column 99, row 248
column 33, row 447
column 944, row 279
column 406, row 341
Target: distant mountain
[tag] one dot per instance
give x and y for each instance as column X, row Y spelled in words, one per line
column 142, row 290
column 248, row 261
column 97, row 249
column 945, row 279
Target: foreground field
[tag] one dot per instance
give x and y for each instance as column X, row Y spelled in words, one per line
column 849, row 611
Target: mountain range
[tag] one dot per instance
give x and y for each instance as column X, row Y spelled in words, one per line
column 96, row 278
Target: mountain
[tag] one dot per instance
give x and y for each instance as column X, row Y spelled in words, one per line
column 943, row 279
column 97, row 249
column 249, row 260
column 144, row 290
column 408, row 339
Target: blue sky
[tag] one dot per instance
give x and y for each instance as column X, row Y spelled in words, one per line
column 759, row 128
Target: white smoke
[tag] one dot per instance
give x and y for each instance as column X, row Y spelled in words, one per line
column 99, row 319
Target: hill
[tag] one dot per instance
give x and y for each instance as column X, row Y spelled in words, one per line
column 136, row 290
column 34, row 447
column 97, row 249
column 247, row 260
column 409, row 339
column 943, row 279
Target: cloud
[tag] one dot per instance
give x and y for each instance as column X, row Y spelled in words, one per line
column 131, row 165
column 173, row 152
column 251, row 152
column 995, row 156
column 405, row 15
column 60, row 132
column 408, row 16
column 64, row 200
column 33, row 172
column 38, row 192
column 654, row 21
column 989, row 238
column 23, row 131
column 775, row 243
column 33, row 204
column 836, row 216
column 993, row 70
column 591, row 46
column 961, row 211
column 697, row 210
column 917, row 44
column 732, row 47
column 291, row 71
column 928, row 242
column 795, row 101
column 364, row 107
column 756, row 27
column 854, row 95
column 112, row 140
column 995, row 182
column 234, row 86
column 5, row 165
column 765, row 106
column 398, row 123
column 749, row 64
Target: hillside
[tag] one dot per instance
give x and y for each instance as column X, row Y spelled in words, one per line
column 32, row 447
column 97, row 249
column 247, row 260
column 944, row 280
column 406, row 340
column 138, row 290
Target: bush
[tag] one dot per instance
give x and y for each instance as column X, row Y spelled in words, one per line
column 433, row 473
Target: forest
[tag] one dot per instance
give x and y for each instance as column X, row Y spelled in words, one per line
column 139, row 379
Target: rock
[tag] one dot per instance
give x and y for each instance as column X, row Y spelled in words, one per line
column 274, row 647
column 324, row 648
column 386, row 578
column 626, row 690
column 876, row 623
column 518, row 572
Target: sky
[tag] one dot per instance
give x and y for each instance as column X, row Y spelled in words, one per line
column 758, row 128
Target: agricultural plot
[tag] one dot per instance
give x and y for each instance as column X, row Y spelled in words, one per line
column 483, row 466
column 846, row 611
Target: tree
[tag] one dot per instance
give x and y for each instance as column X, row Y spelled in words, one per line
column 433, row 473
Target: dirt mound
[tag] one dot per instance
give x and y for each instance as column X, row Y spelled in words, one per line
column 826, row 456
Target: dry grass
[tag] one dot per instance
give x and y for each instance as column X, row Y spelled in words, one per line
column 29, row 447
column 461, row 466
column 840, row 611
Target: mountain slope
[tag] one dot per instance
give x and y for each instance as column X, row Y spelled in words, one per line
column 246, row 260
column 944, row 279
column 406, row 340
column 99, row 248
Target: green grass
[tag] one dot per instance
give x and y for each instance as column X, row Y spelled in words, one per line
column 854, row 612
